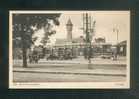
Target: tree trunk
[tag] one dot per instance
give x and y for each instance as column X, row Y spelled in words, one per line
column 24, row 57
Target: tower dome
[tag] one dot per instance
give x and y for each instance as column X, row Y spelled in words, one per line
column 69, row 22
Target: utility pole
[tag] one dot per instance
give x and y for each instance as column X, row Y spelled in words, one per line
column 117, row 35
column 88, row 29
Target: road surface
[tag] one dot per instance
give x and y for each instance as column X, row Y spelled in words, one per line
column 67, row 73
column 47, row 77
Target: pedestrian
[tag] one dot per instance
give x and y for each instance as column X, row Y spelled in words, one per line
column 114, row 53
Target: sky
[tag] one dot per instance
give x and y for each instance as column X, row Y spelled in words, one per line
column 105, row 22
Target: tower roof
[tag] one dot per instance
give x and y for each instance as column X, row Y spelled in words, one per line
column 69, row 22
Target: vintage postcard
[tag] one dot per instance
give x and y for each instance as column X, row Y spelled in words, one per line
column 69, row 49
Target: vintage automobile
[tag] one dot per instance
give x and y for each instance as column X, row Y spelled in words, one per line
column 106, row 55
column 67, row 57
column 52, row 57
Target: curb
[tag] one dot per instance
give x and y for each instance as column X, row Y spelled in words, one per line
column 83, row 64
column 124, row 75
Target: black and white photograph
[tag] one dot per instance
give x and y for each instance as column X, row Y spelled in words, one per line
column 69, row 49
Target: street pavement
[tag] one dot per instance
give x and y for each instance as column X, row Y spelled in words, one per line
column 76, row 70
column 48, row 77
column 81, row 60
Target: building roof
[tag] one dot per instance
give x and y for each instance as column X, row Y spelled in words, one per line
column 78, row 40
column 122, row 43
column 65, row 41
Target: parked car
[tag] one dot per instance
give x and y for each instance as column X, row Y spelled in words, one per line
column 106, row 55
column 68, row 56
column 52, row 57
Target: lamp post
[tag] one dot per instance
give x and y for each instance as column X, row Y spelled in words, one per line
column 117, row 33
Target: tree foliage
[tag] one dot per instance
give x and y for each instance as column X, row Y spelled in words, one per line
column 23, row 31
column 25, row 25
